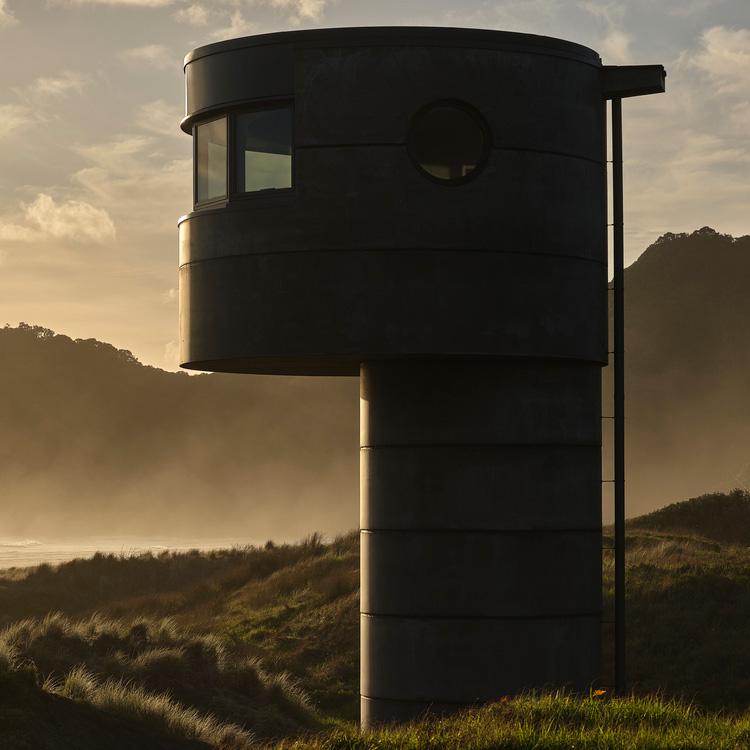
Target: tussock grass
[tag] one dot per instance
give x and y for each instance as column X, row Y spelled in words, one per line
column 157, row 711
column 156, row 657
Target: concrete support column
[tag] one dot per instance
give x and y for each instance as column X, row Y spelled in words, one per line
column 480, row 530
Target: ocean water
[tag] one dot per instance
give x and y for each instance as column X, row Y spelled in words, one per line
column 22, row 553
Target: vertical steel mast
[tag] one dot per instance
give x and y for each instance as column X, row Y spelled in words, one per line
column 619, row 393
column 619, row 82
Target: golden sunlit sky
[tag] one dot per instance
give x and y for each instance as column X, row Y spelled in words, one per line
column 94, row 171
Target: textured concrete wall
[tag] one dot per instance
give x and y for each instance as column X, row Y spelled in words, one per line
column 481, row 532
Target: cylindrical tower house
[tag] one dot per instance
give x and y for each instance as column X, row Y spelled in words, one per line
column 425, row 208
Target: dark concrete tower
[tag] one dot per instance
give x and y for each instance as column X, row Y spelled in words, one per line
column 425, row 208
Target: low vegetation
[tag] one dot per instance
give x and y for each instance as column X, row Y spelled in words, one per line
column 157, row 711
column 259, row 646
column 139, row 664
column 554, row 722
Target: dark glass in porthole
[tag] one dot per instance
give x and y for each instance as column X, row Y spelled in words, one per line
column 211, row 160
column 448, row 141
column 264, row 149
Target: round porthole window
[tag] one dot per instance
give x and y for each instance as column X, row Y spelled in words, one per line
column 449, row 141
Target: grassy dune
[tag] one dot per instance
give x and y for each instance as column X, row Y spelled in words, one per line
column 238, row 648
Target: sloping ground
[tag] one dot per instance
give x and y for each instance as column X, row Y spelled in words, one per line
column 293, row 609
column 554, row 723
column 100, row 660
column 722, row 517
column 689, row 619
column 34, row 719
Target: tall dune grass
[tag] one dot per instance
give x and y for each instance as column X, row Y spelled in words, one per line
column 157, row 711
column 102, row 659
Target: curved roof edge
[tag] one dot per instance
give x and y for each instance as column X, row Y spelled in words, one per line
column 405, row 35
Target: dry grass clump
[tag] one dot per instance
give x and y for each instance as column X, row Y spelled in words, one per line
column 158, row 711
column 156, row 657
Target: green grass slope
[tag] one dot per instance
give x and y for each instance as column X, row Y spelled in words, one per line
column 260, row 645
column 554, row 722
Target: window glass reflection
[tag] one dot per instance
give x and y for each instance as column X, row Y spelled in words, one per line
column 264, row 150
column 448, row 142
column 211, row 158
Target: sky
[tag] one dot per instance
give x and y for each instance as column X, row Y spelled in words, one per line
column 94, row 171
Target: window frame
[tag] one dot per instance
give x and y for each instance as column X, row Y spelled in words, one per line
column 232, row 192
column 221, row 199
column 479, row 119
column 234, row 164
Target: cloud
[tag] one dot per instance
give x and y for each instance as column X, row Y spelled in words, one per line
column 131, row 3
column 615, row 48
column 238, row 26
column 47, row 87
column 687, row 151
column 116, row 155
column 132, row 179
column 302, row 10
column 298, row 11
column 10, row 232
column 195, row 15
column 15, row 117
column 533, row 16
column 7, row 19
column 71, row 219
column 725, row 58
column 609, row 11
column 76, row 220
column 153, row 55
column 685, row 8
column 160, row 117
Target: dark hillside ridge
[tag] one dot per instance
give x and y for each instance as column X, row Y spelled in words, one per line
column 722, row 517
column 687, row 363
column 93, row 442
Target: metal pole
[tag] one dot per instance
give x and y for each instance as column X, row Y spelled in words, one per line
column 619, row 395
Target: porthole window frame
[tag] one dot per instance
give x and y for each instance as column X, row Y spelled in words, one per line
column 475, row 115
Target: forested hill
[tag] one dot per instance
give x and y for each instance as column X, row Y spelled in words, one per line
column 688, row 368
column 91, row 441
